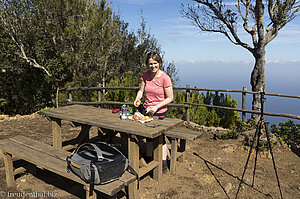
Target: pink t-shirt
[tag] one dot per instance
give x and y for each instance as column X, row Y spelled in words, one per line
column 154, row 90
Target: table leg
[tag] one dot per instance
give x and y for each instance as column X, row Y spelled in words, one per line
column 181, row 149
column 157, row 156
column 84, row 134
column 173, row 155
column 10, row 179
column 56, row 132
column 87, row 193
column 133, row 157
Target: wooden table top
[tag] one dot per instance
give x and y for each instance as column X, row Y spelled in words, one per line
column 104, row 118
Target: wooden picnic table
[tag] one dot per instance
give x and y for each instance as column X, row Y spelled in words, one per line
column 87, row 116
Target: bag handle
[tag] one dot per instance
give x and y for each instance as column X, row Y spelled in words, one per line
column 98, row 151
column 111, row 146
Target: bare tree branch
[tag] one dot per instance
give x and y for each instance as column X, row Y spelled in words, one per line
column 10, row 29
column 215, row 18
column 280, row 14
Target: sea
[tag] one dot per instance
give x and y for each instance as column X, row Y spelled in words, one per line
column 281, row 78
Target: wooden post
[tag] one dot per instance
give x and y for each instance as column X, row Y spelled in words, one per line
column 70, row 97
column 173, row 155
column 99, row 96
column 87, row 193
column 157, row 156
column 83, row 136
column 56, row 133
column 57, row 91
column 188, row 102
column 133, row 157
column 244, row 103
column 9, row 170
column 182, row 147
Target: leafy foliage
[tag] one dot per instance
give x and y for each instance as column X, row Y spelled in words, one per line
column 228, row 135
column 129, row 79
column 241, row 126
column 50, row 44
column 203, row 115
column 23, row 93
column 287, row 131
column 3, row 103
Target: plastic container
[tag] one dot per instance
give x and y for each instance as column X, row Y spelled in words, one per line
column 124, row 112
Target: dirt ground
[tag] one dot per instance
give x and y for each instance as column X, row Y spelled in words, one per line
column 211, row 169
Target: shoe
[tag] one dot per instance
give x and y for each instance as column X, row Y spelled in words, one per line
column 165, row 168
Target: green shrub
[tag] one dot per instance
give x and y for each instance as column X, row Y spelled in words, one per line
column 228, row 135
column 287, row 131
column 3, row 103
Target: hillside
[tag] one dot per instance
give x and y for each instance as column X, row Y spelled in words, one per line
column 212, row 174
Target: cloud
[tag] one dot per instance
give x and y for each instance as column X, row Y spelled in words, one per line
column 140, row 2
column 295, row 62
column 174, row 33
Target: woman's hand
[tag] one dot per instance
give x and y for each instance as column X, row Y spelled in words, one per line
column 136, row 102
column 152, row 109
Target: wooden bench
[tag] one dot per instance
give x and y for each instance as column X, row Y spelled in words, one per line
column 52, row 159
column 180, row 135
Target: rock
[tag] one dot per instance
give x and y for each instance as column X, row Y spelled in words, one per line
column 23, row 180
column 3, row 117
column 227, row 145
column 230, row 149
column 205, row 129
column 207, row 179
column 228, row 187
column 217, row 195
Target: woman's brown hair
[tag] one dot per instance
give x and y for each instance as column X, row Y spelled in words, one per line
column 155, row 56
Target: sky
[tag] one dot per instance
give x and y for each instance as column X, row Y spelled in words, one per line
column 209, row 60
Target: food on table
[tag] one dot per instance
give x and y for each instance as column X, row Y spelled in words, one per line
column 135, row 117
column 139, row 116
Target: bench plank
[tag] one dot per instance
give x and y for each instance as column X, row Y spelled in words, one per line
column 53, row 160
column 38, row 146
column 183, row 133
column 127, row 177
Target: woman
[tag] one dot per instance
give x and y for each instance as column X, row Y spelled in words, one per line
column 157, row 86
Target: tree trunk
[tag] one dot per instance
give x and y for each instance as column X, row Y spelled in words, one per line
column 258, row 81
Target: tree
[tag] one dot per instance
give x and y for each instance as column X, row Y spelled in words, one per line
column 262, row 20
column 50, row 44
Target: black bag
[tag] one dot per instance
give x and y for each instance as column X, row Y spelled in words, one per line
column 98, row 163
